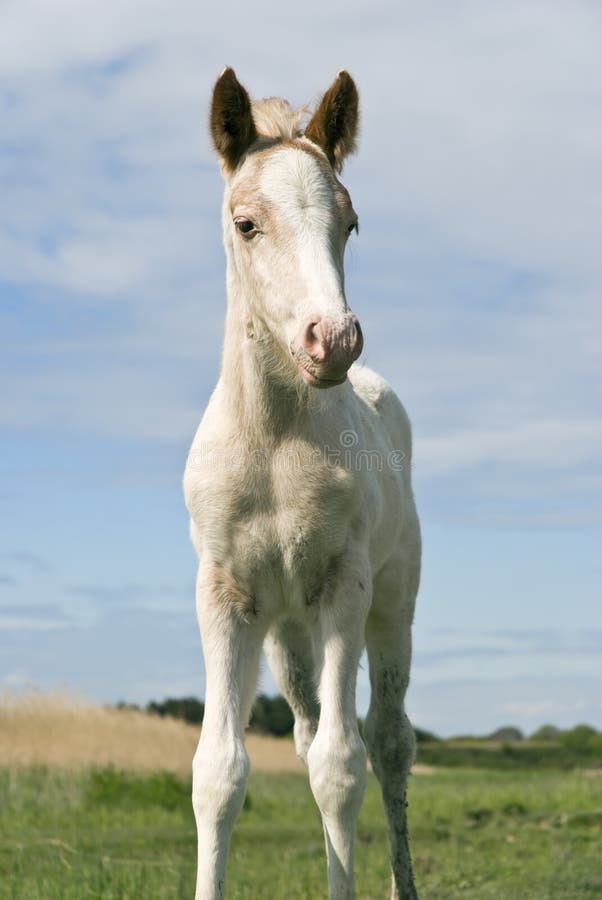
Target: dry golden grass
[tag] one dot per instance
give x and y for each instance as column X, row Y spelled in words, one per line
column 60, row 730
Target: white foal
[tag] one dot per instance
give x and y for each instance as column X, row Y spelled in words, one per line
column 300, row 499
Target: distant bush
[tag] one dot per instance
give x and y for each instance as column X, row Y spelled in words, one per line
column 581, row 737
column 272, row 715
column 507, row 734
column 546, row 733
column 188, row 708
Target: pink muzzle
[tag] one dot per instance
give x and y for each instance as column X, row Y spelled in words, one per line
column 324, row 349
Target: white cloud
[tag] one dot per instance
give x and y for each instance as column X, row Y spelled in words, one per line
column 17, row 680
column 551, row 709
column 22, row 623
column 554, row 445
column 28, row 617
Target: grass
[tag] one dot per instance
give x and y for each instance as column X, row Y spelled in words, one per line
column 60, row 730
column 106, row 833
column 510, row 756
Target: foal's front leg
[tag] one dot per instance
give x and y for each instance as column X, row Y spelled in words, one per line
column 337, row 757
column 231, row 647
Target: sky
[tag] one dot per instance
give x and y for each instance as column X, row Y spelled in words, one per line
column 477, row 277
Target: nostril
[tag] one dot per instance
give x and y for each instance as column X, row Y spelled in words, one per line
column 314, row 342
column 312, row 332
column 359, row 339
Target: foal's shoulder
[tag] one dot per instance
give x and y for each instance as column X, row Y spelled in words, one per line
column 378, row 394
column 372, row 388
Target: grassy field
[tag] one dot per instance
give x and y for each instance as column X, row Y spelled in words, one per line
column 106, row 834
column 80, row 828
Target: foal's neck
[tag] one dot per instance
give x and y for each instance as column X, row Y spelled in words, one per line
column 259, row 384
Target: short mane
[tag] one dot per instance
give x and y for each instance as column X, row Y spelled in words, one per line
column 275, row 118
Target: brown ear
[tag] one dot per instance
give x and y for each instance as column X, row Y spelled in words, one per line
column 232, row 127
column 335, row 122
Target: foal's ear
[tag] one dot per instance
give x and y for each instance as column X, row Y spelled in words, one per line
column 334, row 124
column 232, row 126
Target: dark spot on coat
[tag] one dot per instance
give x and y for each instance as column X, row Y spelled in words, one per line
column 325, row 586
column 228, row 594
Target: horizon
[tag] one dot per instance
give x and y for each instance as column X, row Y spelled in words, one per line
column 63, row 697
column 477, row 278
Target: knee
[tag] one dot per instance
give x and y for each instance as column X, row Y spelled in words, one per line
column 337, row 774
column 219, row 781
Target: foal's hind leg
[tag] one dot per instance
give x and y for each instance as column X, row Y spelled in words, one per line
column 290, row 655
column 387, row 731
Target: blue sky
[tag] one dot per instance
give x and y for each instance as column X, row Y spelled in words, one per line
column 477, row 278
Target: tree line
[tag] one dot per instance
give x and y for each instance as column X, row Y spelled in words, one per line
column 272, row 715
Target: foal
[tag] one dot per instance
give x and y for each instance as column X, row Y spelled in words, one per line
column 298, row 488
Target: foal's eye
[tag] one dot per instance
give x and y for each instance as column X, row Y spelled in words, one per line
column 245, row 227
column 353, row 227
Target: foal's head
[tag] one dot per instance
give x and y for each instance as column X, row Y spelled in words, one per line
column 287, row 219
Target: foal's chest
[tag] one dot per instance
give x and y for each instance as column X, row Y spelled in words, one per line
column 282, row 514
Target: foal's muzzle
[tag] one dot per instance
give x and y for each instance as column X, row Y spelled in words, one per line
column 324, row 349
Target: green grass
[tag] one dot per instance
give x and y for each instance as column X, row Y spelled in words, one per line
column 475, row 834
column 479, row 753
